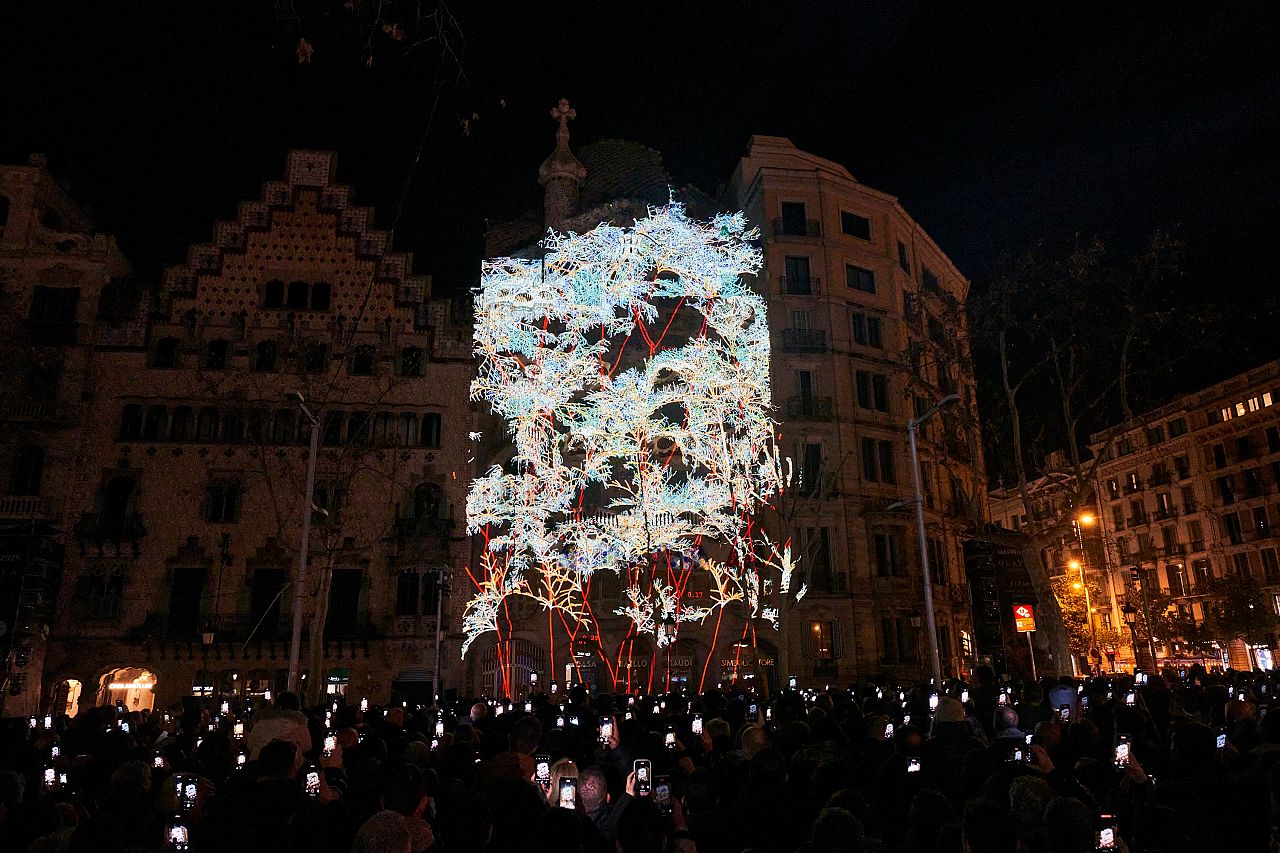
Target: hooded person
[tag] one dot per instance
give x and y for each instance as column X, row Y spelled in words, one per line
column 283, row 722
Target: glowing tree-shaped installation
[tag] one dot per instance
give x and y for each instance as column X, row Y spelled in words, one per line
column 642, row 445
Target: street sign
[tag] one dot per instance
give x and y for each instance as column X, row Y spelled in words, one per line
column 1024, row 618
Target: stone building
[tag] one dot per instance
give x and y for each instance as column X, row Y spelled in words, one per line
column 184, row 503
column 1188, row 492
column 868, row 331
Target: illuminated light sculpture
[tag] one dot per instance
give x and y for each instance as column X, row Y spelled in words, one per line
column 603, row 392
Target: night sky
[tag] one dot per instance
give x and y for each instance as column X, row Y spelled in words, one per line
column 997, row 124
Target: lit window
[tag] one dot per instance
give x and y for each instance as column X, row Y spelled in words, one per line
column 1226, row 413
column 1266, row 399
column 1253, row 404
column 823, row 647
column 1240, row 409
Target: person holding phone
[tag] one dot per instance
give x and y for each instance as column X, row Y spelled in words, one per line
column 562, row 770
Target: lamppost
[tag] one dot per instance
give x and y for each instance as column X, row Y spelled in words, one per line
column 915, row 627
column 669, row 632
column 1082, row 520
column 299, row 588
column 1130, row 614
column 913, row 427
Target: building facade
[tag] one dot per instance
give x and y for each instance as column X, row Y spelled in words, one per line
column 868, row 330
column 1188, row 493
column 183, row 512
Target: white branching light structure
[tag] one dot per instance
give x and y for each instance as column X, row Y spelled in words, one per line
column 631, row 365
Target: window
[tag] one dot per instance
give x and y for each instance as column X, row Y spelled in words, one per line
column 321, row 296
column 1273, row 439
column 878, row 461
column 1124, row 446
column 855, row 225
column 811, row 470
column 429, row 434
column 408, row 593
column 1261, row 524
column 216, row 353
column 1178, row 580
column 1182, row 466
column 1155, row 436
column 274, row 294
column 411, row 361
column 859, row 278
column 316, row 359
column 4, row 210
column 297, row 298
column 1169, row 538
column 331, row 436
column 1117, row 516
column 1177, row 427
column 27, row 471
column 873, row 390
column 53, row 312
column 796, row 279
column 222, row 502
column 154, row 423
column 265, row 593
column 929, row 281
column 1240, row 565
column 1231, row 523
column 1164, row 507
column 166, row 353
column 815, row 546
column 232, row 427
column 118, row 507
column 428, row 502
column 897, row 640
column 184, row 602
column 902, row 257
column 344, row 603
column 1270, row 565
column 1113, row 486
column 794, row 221
column 1200, row 570
column 822, row 640
column 362, row 359
column 1195, row 532
column 867, row 330
column 937, row 560
column 890, row 558
column 1226, row 491
column 265, row 356
column 1220, row 456
column 131, row 423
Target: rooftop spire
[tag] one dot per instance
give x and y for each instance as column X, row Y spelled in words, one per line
column 561, row 173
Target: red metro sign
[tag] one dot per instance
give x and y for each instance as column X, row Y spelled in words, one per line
column 1024, row 618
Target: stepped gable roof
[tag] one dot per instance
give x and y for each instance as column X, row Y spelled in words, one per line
column 313, row 171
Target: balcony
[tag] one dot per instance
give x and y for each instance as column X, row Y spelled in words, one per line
column 810, row 408
column 21, row 506
column 1159, row 478
column 1137, row 520
column 1196, row 545
column 1190, row 507
column 800, row 285
column 1165, row 513
column 804, row 340
column 825, row 667
column 101, row 529
column 1175, row 550
column 1133, row 487
column 1262, row 534
column 27, row 410
column 1184, row 473
column 797, row 228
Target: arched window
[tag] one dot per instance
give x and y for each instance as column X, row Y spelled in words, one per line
column 265, row 356
column 232, row 427
column 180, row 424
column 117, row 505
column 28, row 471
column 429, row 435
column 297, row 296
column 154, row 423
column 166, row 353
column 215, row 357
column 207, row 426
column 428, row 501
column 406, row 428
column 4, row 210
column 131, row 422
column 411, row 361
column 362, row 358
column 274, row 297
column 321, row 296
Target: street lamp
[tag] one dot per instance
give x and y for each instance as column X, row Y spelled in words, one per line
column 295, row 642
column 1130, row 614
column 1086, row 519
column 913, row 427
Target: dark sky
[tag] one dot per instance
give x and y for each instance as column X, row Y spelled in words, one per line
column 997, row 124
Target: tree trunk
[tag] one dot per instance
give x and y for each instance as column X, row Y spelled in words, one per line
column 1049, row 624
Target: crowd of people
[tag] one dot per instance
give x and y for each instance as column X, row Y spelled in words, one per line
column 1158, row 763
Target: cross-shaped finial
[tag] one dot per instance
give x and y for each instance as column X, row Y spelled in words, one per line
column 562, row 112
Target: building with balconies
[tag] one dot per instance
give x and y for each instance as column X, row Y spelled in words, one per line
column 1191, row 491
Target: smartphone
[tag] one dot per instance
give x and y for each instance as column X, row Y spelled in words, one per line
column 791, row 682
column 753, row 713
column 1084, row 701
column 224, row 708
column 32, row 723
column 188, row 792
column 1222, row 738
column 157, row 761
column 555, row 686
column 439, row 728
column 933, row 701
column 1130, row 698
column 50, row 777
column 913, row 765
column 574, row 721
column 435, row 744
column 330, row 744
column 606, row 729
column 62, row 779
column 528, row 707
column 662, row 794
column 55, row 751
column 560, row 722
column 242, row 758
column 906, row 719
column 124, row 727
column 888, row 731
column 177, row 836
column 542, row 771
column 964, row 697
column 568, row 792
column 364, row 705
column 1064, row 713
column 643, row 769
column 627, row 716
column 1122, row 751
column 313, row 782
column 1002, row 698
column 696, row 725
column 48, row 719
column 1107, row 836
